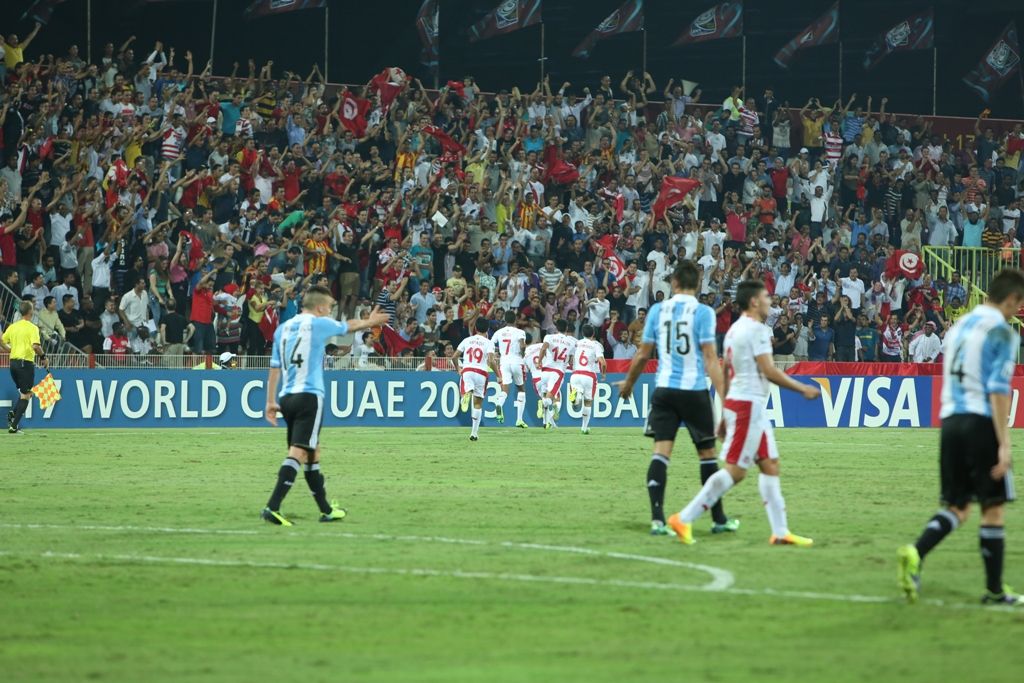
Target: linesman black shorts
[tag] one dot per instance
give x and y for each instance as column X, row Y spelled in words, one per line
column 672, row 408
column 303, row 413
column 23, row 373
column 969, row 450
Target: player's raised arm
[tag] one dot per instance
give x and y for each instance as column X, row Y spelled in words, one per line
column 767, row 367
column 377, row 318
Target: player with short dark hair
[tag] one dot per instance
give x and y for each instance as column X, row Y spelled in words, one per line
column 474, row 362
column 22, row 340
column 978, row 361
column 747, row 433
column 587, row 360
column 510, row 342
column 555, row 355
column 298, row 357
column 683, row 331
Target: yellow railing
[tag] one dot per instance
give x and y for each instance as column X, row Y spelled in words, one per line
column 976, row 265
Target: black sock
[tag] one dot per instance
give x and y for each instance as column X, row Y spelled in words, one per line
column 315, row 481
column 19, row 409
column 285, row 478
column 657, row 477
column 938, row 528
column 707, row 468
column 993, row 543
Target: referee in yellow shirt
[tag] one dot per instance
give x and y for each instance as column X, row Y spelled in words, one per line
column 22, row 340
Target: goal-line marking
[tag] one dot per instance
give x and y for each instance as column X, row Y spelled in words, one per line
column 722, row 579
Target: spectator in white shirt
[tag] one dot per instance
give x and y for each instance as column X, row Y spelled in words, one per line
column 785, row 281
column 134, row 306
column 853, row 287
column 943, row 232
column 598, row 308
column 926, row 347
column 622, row 348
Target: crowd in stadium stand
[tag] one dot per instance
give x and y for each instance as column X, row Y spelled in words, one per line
column 149, row 208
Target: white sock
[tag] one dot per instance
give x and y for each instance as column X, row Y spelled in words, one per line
column 715, row 487
column 520, row 404
column 477, row 413
column 586, row 416
column 548, row 411
column 774, row 504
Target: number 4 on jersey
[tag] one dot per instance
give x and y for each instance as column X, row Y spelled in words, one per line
column 296, row 358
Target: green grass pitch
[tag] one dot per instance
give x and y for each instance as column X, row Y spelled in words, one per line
column 138, row 556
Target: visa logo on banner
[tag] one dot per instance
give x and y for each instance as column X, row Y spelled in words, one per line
column 872, row 401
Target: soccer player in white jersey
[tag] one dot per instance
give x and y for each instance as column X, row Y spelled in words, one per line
column 511, row 343
column 586, row 362
column 532, row 357
column 556, row 355
column 298, row 357
column 978, row 354
column 682, row 330
column 748, row 433
column 474, row 363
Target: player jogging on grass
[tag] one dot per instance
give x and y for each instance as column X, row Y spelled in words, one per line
column 511, row 343
column 556, row 354
column 587, row 361
column 974, row 446
column 298, row 358
column 748, row 436
column 682, row 330
column 532, row 357
column 22, row 340
column 474, row 363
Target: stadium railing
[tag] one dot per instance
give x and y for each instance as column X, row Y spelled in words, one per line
column 54, row 346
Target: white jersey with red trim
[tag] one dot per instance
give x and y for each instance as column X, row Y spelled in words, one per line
column 560, row 351
column 510, row 341
column 476, row 351
column 532, row 358
column 585, row 359
column 744, row 342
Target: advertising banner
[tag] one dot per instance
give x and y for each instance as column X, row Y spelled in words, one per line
column 235, row 398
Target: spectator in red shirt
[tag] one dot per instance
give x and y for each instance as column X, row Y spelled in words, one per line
column 204, row 340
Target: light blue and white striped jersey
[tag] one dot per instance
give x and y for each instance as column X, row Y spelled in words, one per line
column 299, row 346
column 978, row 359
column 679, row 326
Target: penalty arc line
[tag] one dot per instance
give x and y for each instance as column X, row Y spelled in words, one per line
column 722, row 582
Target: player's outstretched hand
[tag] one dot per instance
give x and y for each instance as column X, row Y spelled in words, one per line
column 378, row 317
column 270, row 413
column 625, row 389
column 809, row 392
column 1002, row 467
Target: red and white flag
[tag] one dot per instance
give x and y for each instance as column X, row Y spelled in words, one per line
column 353, row 112
column 626, row 19
column 448, row 144
column 905, row 263
column 721, row 21
column 673, row 190
column 388, row 84
column 617, row 268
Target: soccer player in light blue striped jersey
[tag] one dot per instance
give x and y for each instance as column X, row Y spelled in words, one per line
column 978, row 359
column 298, row 358
column 682, row 330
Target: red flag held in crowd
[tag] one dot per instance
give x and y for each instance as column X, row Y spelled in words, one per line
column 557, row 169
column 353, row 113
column 905, row 263
column 673, row 190
column 390, row 343
column 721, row 21
column 824, row 30
column 426, row 24
column 916, row 32
column 448, row 144
column 617, row 268
column 266, row 8
column 510, row 15
column 1000, row 62
column 626, row 19
column 387, row 84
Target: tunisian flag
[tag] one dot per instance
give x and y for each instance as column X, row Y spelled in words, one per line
column 626, row 19
column 823, row 31
column 448, row 144
column 673, row 190
column 352, row 113
column 390, row 343
column 905, row 263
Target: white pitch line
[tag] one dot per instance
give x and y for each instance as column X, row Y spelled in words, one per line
column 721, row 579
column 486, row 576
